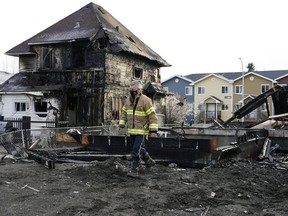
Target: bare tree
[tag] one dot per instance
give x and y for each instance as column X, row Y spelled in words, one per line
column 177, row 109
column 250, row 67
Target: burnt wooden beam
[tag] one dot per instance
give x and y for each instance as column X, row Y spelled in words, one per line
column 91, row 157
column 47, row 162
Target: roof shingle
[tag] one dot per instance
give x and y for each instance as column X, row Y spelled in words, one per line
column 85, row 24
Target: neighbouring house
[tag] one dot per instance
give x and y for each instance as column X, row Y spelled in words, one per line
column 240, row 89
column 182, row 87
column 218, row 95
column 213, row 98
column 80, row 69
column 246, row 88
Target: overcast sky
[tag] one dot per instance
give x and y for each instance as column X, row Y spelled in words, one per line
column 192, row 35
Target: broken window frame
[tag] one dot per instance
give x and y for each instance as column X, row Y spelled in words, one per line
column 46, row 58
column 138, row 73
column 41, row 113
column 78, row 57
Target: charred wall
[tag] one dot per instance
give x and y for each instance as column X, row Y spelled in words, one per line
column 66, row 56
column 120, row 70
column 96, row 80
column 85, row 97
column 27, row 63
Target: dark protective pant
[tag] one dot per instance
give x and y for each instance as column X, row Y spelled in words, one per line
column 138, row 150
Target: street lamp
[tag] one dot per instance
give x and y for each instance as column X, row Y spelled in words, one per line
column 242, row 86
column 242, row 82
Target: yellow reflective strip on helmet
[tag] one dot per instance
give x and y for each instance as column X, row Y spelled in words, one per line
column 149, row 111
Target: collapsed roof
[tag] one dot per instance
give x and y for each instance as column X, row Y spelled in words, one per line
column 91, row 22
column 152, row 88
column 31, row 82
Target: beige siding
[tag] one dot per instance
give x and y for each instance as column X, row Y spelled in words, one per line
column 252, row 87
column 213, row 87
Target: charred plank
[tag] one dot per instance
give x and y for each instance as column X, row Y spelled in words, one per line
column 47, row 162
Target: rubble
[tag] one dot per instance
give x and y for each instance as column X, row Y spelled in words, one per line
column 234, row 187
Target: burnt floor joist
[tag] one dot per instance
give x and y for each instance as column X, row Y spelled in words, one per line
column 39, row 158
column 183, row 151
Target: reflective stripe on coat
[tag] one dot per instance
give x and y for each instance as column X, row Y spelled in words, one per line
column 141, row 120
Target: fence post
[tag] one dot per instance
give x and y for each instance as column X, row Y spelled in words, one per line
column 26, row 126
column 26, row 122
column 56, row 121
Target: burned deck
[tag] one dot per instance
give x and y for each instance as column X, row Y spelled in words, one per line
column 185, row 146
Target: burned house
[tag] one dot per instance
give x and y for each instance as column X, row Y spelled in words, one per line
column 81, row 68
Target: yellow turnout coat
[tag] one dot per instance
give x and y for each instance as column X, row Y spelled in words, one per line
column 139, row 115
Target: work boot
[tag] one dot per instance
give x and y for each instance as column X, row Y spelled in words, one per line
column 133, row 174
column 134, row 170
column 150, row 163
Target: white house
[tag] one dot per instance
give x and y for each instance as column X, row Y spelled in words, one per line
column 30, row 100
column 32, row 104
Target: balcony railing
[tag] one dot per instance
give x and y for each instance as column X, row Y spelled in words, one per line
column 212, row 115
column 208, row 116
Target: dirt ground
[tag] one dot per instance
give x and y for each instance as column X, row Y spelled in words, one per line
column 102, row 188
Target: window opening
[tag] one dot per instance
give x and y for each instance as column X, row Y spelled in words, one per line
column 188, row 90
column 77, row 57
column 225, row 107
column 20, row 106
column 224, row 90
column 47, row 58
column 238, row 89
column 138, row 73
column 264, row 88
column 41, row 108
column 201, row 90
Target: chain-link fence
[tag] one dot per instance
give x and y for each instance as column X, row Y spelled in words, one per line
column 16, row 142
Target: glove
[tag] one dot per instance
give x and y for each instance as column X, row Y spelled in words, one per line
column 153, row 134
column 121, row 129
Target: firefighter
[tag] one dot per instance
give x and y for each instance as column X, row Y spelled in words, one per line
column 140, row 117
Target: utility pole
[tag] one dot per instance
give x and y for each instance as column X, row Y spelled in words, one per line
column 242, row 85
